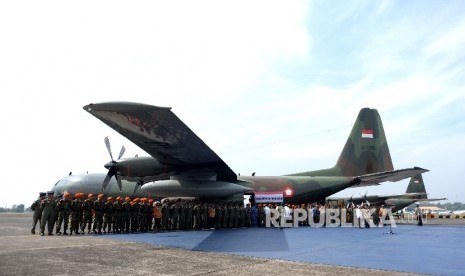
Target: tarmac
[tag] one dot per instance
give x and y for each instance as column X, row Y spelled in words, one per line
column 435, row 248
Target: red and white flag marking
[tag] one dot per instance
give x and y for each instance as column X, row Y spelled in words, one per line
column 367, row 133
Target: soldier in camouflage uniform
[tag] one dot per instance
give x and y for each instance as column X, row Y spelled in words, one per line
column 64, row 210
column 248, row 215
column 108, row 215
column 126, row 217
column 232, row 215
column 135, row 209
column 143, row 215
column 204, row 215
column 219, row 216
column 189, row 215
column 150, row 215
column 174, row 213
column 182, row 215
column 165, row 220
column 37, row 212
column 48, row 206
column 197, row 216
column 99, row 209
column 225, row 216
column 118, row 222
column 87, row 206
column 76, row 214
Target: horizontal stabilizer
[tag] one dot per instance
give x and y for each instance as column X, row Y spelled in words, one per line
column 432, row 199
column 392, row 176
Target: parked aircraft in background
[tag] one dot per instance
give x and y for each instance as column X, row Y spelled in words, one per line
column 181, row 164
column 415, row 192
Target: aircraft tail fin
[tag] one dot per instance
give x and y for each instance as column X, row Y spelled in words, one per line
column 366, row 150
column 416, row 185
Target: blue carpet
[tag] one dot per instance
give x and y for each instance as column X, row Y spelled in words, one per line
column 427, row 249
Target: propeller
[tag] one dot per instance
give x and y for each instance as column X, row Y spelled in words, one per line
column 112, row 166
column 365, row 198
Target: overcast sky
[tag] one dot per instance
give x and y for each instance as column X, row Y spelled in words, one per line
column 273, row 87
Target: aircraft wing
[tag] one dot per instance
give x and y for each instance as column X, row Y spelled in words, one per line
column 392, row 176
column 159, row 132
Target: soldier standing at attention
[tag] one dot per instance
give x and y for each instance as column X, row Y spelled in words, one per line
column 63, row 209
column 142, row 214
column 126, row 217
column 219, row 216
column 174, row 213
column 190, row 215
column 135, row 213
column 118, row 223
column 419, row 214
column 37, row 212
column 150, row 215
column 87, row 214
column 76, row 214
column 48, row 211
column 108, row 215
column 99, row 209
column 225, row 215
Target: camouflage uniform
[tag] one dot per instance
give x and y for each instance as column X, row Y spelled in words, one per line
column 143, row 215
column 37, row 212
column 225, row 216
column 126, row 216
column 189, row 216
column 87, row 215
column 76, row 214
column 174, row 212
column 248, row 216
column 48, row 211
column 118, row 223
column 165, row 219
column 219, row 216
column 150, row 215
column 64, row 210
column 108, row 216
column 99, row 209
column 197, row 216
column 135, row 213
column 182, row 216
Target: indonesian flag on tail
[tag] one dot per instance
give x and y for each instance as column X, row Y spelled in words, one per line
column 367, row 133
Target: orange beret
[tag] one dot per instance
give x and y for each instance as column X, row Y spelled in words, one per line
column 100, row 195
column 90, row 195
column 109, row 198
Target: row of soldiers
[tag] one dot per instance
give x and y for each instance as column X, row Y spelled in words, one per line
column 128, row 215
column 125, row 215
column 96, row 214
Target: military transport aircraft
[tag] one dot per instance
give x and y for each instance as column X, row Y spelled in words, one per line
column 182, row 165
column 415, row 192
